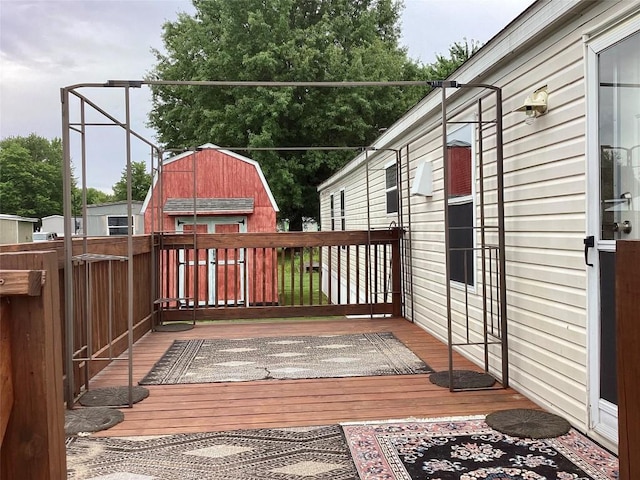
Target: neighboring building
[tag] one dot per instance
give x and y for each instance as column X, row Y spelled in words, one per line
column 231, row 196
column 16, row 229
column 571, row 175
column 109, row 219
column 55, row 223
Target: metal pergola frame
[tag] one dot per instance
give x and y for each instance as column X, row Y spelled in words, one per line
column 157, row 153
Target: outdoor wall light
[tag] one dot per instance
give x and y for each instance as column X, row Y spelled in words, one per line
column 535, row 105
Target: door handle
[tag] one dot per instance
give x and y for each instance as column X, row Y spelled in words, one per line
column 589, row 242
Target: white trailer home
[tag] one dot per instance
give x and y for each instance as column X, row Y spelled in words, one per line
column 569, row 76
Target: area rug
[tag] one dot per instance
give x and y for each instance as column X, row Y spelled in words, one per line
column 462, row 448
column 245, row 359
column 318, row 453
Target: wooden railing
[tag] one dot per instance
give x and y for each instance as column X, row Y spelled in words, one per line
column 255, row 275
column 263, row 275
column 100, row 296
column 628, row 339
column 31, row 408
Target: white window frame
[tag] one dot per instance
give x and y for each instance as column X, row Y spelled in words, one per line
column 343, row 210
column 332, row 211
column 387, row 189
column 109, row 227
column 465, row 199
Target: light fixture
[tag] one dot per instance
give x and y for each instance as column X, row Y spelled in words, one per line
column 535, row 105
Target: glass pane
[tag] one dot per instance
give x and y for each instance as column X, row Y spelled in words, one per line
column 461, row 242
column 392, row 201
column 459, row 159
column 608, row 367
column 117, row 221
column 391, row 177
column 619, row 136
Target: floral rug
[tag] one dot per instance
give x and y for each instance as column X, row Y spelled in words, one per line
column 464, row 448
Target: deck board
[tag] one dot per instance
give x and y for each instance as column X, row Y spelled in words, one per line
column 191, row 408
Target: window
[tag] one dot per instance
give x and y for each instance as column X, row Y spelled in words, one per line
column 343, row 223
column 117, row 225
column 460, row 205
column 332, row 212
column 391, row 183
column 338, row 215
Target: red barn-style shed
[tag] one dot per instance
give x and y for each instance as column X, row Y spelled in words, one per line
column 231, row 195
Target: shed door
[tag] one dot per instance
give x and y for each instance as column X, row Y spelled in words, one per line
column 230, row 266
column 189, row 267
column 614, row 206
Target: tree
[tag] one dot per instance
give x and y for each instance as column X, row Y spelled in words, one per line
column 459, row 52
column 31, row 176
column 95, row 196
column 140, row 183
column 284, row 40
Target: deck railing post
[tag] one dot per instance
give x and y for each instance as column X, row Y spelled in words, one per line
column 396, row 280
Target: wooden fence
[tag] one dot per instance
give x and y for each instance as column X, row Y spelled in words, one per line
column 31, row 408
column 100, row 323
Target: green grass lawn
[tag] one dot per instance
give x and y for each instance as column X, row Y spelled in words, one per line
column 290, row 292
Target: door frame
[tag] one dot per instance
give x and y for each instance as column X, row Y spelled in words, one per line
column 241, row 221
column 602, row 415
column 211, row 262
column 182, row 267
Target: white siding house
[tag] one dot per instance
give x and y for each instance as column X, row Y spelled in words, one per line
column 55, row 224
column 107, row 219
column 16, row 229
column 573, row 173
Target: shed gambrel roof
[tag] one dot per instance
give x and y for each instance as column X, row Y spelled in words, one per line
column 177, row 206
column 229, row 153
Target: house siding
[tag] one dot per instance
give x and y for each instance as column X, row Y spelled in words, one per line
column 97, row 217
column 545, row 211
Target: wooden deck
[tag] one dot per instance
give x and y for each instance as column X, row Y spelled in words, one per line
column 193, row 408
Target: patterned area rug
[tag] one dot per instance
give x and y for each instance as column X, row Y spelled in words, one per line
column 314, row 453
column 467, row 449
column 245, row 359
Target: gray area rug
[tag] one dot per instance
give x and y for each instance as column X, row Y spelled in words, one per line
column 318, row 453
column 246, row 359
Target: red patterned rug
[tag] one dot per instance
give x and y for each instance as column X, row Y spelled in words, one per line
column 466, row 448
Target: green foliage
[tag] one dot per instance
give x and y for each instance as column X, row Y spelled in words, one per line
column 31, row 176
column 140, row 183
column 459, row 52
column 306, row 283
column 95, row 196
column 285, row 40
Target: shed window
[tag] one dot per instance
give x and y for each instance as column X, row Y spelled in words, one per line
column 460, row 205
column 391, row 184
column 117, row 225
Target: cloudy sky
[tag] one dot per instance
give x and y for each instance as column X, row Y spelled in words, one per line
column 48, row 44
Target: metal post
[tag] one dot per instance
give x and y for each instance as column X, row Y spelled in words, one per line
column 409, row 239
column 68, row 248
column 445, row 190
column 483, row 241
column 368, row 269
column 501, row 240
column 129, row 245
